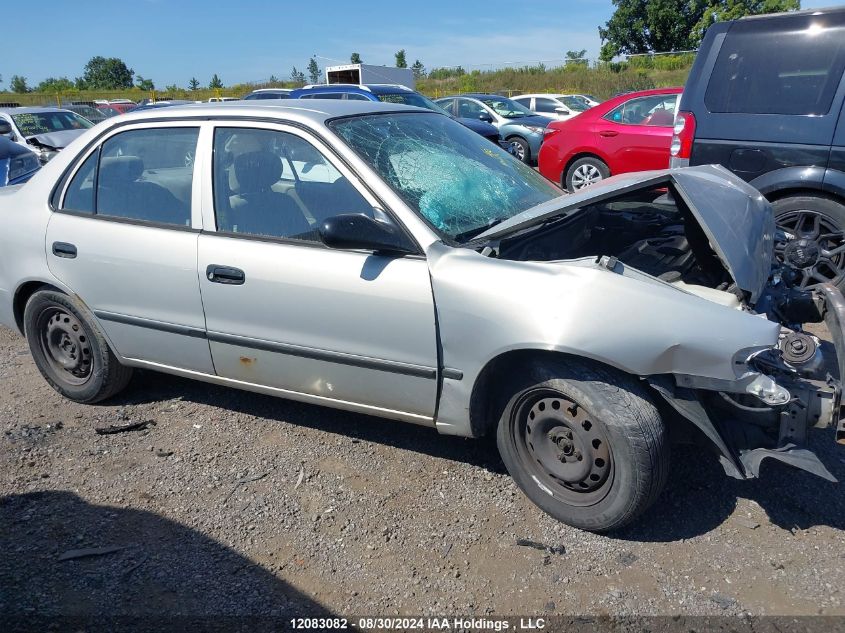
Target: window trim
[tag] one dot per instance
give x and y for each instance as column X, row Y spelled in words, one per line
column 624, row 103
column 204, row 154
column 209, row 212
column 57, row 202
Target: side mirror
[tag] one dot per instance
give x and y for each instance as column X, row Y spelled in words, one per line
column 5, row 127
column 357, row 231
column 562, row 111
column 485, row 117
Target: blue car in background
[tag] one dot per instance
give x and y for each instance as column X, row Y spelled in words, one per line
column 391, row 93
column 523, row 130
column 17, row 164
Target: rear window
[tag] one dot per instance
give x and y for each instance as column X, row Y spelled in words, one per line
column 779, row 66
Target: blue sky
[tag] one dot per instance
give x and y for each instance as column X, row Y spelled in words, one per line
column 171, row 41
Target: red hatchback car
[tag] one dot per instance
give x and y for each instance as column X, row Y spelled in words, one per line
column 631, row 132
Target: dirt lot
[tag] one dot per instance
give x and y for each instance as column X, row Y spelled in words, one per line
column 233, row 503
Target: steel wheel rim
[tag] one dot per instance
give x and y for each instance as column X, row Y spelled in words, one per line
column 565, row 450
column 585, row 175
column 517, row 150
column 65, row 346
column 815, row 247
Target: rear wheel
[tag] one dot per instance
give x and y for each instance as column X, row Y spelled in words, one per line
column 585, row 172
column 815, row 238
column 69, row 349
column 585, row 443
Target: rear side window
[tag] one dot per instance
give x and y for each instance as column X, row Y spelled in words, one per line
column 140, row 175
column 788, row 66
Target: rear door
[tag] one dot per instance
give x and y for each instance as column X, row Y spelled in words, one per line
column 124, row 239
column 350, row 328
column 636, row 135
column 769, row 93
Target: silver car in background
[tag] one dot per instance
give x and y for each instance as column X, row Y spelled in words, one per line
column 387, row 260
column 43, row 130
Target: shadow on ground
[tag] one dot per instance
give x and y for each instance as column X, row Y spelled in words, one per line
column 698, row 498
column 166, row 576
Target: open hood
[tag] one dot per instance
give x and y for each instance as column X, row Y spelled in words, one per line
column 54, row 140
column 735, row 217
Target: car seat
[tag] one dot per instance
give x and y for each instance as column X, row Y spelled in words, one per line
column 122, row 193
column 256, row 208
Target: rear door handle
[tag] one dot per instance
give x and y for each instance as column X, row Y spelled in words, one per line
column 225, row 275
column 608, row 133
column 63, row 249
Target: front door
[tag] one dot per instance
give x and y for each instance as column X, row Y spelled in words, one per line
column 124, row 240
column 348, row 328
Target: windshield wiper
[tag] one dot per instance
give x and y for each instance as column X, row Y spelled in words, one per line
column 467, row 236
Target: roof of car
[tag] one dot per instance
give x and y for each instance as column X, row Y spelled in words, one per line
column 10, row 148
column 307, row 110
column 31, row 110
column 376, row 89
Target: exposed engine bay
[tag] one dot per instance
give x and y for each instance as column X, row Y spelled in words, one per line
column 786, row 390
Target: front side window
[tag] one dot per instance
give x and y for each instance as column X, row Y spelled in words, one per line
column 144, row 175
column 793, row 66
column 546, row 105
column 470, row 109
column 457, row 180
column 275, row 184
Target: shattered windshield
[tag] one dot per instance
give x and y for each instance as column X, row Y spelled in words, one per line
column 411, row 99
column 457, row 180
column 32, row 123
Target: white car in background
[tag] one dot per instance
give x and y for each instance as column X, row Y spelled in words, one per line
column 557, row 106
column 43, row 130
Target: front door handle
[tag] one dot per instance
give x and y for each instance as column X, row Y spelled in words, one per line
column 608, row 133
column 225, row 275
column 63, row 249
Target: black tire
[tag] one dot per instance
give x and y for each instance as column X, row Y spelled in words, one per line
column 821, row 221
column 520, row 148
column 70, row 350
column 614, row 427
column 579, row 172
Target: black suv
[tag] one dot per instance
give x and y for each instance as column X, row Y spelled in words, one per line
column 765, row 99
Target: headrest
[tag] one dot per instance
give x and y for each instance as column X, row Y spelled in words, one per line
column 257, row 171
column 120, row 169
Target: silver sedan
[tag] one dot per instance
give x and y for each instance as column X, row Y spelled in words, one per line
column 387, row 260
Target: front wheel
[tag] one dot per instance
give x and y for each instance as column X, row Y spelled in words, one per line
column 69, row 349
column 585, row 172
column 585, row 443
column 519, row 147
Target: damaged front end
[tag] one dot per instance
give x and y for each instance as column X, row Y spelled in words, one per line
column 707, row 233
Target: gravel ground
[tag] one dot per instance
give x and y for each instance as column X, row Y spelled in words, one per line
column 233, row 503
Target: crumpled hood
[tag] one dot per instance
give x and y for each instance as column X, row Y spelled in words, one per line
column 56, row 140
column 736, row 218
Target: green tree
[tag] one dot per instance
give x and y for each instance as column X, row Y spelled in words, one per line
column 400, row 59
column 18, row 84
column 418, row 69
column 577, row 57
column 53, row 84
column 297, row 76
column 107, row 74
column 273, row 80
column 194, row 84
column 313, row 71
column 79, row 84
column 172, row 88
column 215, row 83
column 722, row 10
column 355, row 58
column 646, row 26
column 144, row 84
